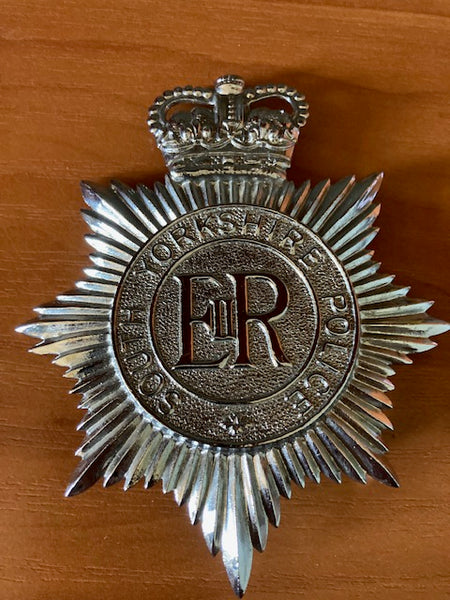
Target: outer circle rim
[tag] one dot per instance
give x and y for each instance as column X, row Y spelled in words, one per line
column 293, row 433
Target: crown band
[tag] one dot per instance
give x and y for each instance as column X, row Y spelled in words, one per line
column 229, row 129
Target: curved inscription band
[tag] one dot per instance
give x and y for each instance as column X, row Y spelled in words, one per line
column 235, row 325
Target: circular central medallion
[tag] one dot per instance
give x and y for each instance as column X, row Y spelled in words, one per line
column 235, row 325
column 234, row 321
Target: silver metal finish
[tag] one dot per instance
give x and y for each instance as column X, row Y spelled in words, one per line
column 236, row 326
column 232, row 335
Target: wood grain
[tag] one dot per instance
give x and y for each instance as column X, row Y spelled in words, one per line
column 77, row 77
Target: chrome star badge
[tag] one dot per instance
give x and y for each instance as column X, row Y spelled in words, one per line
column 232, row 334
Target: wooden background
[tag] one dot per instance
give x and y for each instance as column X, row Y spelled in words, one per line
column 77, row 77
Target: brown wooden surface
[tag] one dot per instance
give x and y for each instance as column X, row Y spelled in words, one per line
column 77, row 77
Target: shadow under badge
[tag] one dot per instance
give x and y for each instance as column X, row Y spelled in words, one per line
column 232, row 334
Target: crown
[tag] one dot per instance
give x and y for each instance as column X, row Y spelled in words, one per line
column 228, row 128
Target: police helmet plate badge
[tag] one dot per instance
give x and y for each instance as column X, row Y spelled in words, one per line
column 233, row 334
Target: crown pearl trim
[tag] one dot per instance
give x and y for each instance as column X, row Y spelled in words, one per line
column 228, row 129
